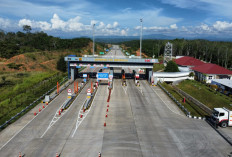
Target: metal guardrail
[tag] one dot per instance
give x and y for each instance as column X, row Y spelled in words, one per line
column 176, row 101
column 195, row 101
column 34, row 102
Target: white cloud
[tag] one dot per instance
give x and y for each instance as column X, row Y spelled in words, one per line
column 24, row 22
column 57, row 23
column 5, row 23
column 222, row 25
column 101, row 25
column 115, row 24
column 173, row 26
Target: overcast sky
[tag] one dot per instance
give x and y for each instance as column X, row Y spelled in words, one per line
column 73, row 18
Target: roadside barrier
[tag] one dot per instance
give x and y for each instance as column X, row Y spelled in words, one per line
column 193, row 100
column 188, row 114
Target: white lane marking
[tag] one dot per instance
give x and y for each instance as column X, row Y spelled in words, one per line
column 167, row 104
column 125, row 89
column 112, row 90
column 140, row 89
column 25, row 125
column 57, row 118
column 79, row 122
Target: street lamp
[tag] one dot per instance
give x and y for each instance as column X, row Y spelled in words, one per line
column 93, row 40
column 141, row 34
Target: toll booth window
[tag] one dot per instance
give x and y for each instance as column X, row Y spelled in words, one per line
column 69, row 59
column 221, row 114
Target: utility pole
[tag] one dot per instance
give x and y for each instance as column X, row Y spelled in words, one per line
column 141, row 34
column 93, row 40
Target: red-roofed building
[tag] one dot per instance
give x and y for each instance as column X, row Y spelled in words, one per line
column 208, row 71
column 187, row 61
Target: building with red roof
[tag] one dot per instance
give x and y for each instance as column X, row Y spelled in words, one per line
column 208, row 71
column 187, row 61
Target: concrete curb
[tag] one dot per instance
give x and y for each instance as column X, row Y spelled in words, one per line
column 222, row 133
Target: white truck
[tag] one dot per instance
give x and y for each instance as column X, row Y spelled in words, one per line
column 222, row 117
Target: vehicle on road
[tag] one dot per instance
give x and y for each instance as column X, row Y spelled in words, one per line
column 137, row 80
column 222, row 117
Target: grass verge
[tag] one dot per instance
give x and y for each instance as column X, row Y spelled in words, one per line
column 23, row 89
column 192, row 108
column 205, row 94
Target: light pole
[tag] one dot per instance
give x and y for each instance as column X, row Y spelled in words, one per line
column 141, row 34
column 93, row 40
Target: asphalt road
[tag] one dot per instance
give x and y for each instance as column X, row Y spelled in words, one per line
column 29, row 141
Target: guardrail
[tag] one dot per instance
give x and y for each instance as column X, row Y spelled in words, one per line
column 195, row 101
column 89, row 101
column 36, row 101
column 176, row 101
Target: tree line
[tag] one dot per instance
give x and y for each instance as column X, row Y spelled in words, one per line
column 12, row 43
column 216, row 52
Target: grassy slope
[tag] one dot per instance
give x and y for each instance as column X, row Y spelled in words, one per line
column 205, row 95
column 28, row 87
column 193, row 109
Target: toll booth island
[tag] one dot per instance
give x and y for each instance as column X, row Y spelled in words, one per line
column 74, row 63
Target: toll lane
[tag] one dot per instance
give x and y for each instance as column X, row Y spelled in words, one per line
column 164, row 133
column 120, row 134
column 87, row 140
column 34, row 129
column 54, row 139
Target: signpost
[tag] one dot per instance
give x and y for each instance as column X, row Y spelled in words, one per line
column 69, row 92
column 103, row 76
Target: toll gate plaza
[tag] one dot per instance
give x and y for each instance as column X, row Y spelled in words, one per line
column 74, row 63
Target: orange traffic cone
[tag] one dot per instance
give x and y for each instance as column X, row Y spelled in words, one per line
column 106, row 115
column 99, row 154
column 108, row 105
column 43, row 106
column 46, row 103
column 83, row 110
column 107, row 110
column 105, row 124
column 57, row 155
column 20, row 154
column 39, row 109
column 81, row 115
column 35, row 113
column 59, row 112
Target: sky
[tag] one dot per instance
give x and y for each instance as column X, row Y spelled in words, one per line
column 75, row 18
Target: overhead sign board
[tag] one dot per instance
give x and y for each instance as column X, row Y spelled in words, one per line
column 102, row 76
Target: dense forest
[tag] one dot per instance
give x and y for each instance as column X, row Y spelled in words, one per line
column 209, row 51
column 12, row 43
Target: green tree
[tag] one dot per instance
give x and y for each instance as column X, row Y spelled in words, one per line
column 27, row 28
column 171, row 67
column 61, row 64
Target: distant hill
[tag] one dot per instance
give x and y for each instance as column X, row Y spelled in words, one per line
column 118, row 39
